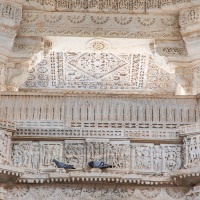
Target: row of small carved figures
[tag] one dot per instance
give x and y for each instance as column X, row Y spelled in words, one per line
column 93, row 164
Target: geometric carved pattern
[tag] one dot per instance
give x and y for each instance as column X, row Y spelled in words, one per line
column 129, row 6
column 101, row 71
column 99, row 24
column 95, row 191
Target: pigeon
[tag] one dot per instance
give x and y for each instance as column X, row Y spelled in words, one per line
column 63, row 165
column 99, row 164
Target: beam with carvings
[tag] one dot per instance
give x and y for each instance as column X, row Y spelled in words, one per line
column 127, row 6
column 190, row 22
column 37, row 23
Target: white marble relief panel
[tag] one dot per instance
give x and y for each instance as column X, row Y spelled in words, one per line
column 99, row 71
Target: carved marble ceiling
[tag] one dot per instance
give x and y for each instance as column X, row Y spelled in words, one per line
column 100, row 64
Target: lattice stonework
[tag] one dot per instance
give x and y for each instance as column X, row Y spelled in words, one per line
column 100, row 71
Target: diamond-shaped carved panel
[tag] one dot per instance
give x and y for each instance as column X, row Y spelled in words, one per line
column 97, row 65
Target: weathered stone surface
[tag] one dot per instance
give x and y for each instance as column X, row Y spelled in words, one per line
column 99, row 80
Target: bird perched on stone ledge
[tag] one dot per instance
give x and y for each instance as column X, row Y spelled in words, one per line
column 99, row 164
column 63, row 165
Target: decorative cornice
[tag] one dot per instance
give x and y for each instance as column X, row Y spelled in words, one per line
column 190, row 129
column 8, row 125
column 61, row 176
column 127, row 6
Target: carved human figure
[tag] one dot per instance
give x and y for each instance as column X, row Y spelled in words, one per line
column 46, row 155
column 2, row 145
column 192, row 148
column 196, row 149
column 25, row 155
column 50, row 152
column 157, row 155
column 139, row 158
column 17, row 156
column 146, row 154
column 35, row 157
column 178, row 159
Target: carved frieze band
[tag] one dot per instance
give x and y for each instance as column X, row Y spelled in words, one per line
column 93, row 192
column 136, row 157
column 64, row 116
column 109, row 25
column 131, row 6
column 34, row 132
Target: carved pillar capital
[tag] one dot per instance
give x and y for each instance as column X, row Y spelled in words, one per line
column 189, row 21
column 26, row 53
column 184, row 80
column 17, row 73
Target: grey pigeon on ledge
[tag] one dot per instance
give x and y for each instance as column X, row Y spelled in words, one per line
column 99, row 164
column 63, row 165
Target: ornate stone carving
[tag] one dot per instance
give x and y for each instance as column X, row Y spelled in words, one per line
column 3, row 73
column 2, row 193
column 150, row 192
column 159, row 79
column 35, row 155
column 176, row 193
column 99, row 71
column 157, row 159
column 5, row 144
column 142, row 157
column 185, row 77
column 92, row 191
column 75, row 153
column 172, row 157
column 129, row 6
column 191, row 151
column 98, row 45
column 101, row 25
column 119, row 155
column 145, row 158
column 99, row 19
